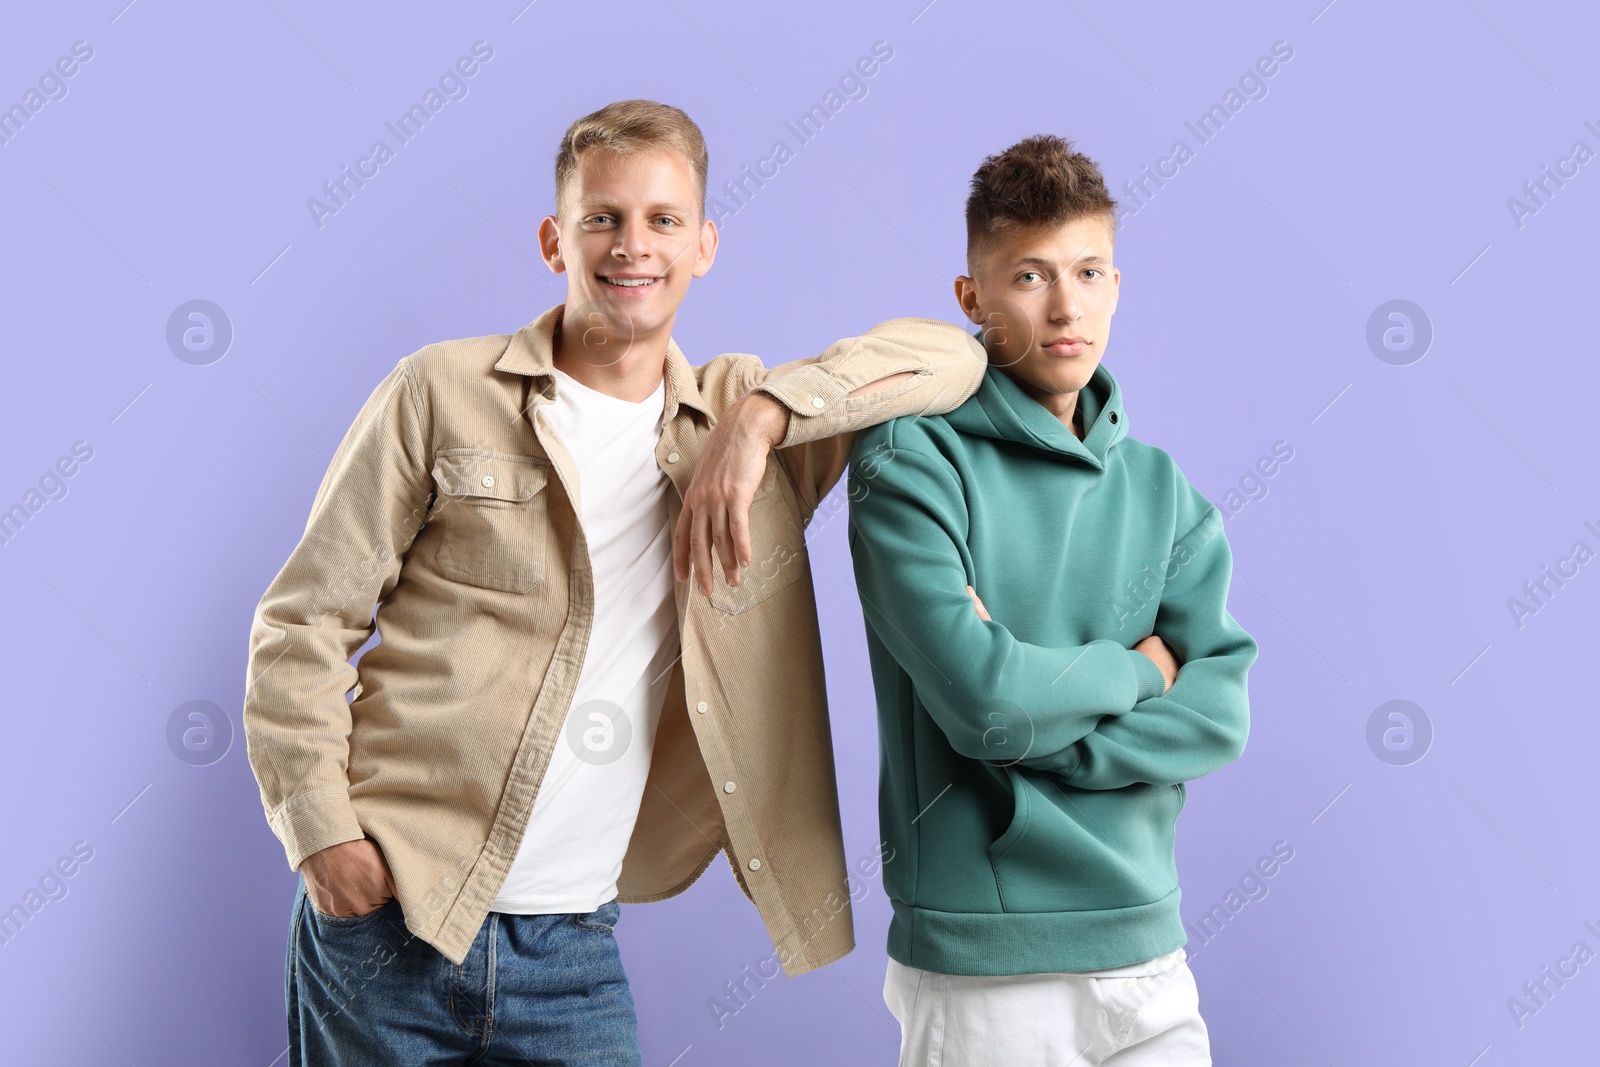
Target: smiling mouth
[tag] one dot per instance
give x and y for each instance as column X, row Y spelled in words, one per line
column 629, row 283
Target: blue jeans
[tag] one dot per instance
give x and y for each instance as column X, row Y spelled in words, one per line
column 363, row 991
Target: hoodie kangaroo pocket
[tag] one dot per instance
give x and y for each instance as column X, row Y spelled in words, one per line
column 1069, row 849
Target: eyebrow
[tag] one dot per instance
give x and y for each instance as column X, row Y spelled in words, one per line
column 1041, row 261
column 599, row 204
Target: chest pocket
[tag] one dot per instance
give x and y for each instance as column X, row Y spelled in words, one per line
column 493, row 514
column 777, row 549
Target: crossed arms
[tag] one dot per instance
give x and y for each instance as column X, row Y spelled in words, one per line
column 1099, row 714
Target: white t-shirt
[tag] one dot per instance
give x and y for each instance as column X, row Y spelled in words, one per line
column 572, row 849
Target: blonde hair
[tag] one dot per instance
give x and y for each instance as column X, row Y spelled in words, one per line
column 630, row 126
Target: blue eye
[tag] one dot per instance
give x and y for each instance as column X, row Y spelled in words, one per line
column 1025, row 275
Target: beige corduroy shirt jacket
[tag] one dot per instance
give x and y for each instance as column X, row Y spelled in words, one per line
column 448, row 521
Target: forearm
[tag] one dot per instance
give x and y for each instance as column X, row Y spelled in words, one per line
column 297, row 727
column 1202, row 722
column 1198, row 726
column 1009, row 703
column 899, row 367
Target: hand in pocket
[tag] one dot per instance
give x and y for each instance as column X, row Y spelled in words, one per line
column 348, row 879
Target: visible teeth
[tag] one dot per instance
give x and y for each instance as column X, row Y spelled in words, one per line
column 630, row 282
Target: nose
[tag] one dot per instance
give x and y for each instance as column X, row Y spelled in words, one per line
column 632, row 242
column 1066, row 304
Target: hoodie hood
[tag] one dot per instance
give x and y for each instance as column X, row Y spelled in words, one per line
column 1000, row 409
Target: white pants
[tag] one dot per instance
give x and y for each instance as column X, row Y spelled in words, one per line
column 1049, row 1020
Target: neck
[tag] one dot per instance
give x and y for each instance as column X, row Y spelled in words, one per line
column 1064, row 406
column 628, row 368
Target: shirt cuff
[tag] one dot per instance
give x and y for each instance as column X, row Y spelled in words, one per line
column 812, row 394
column 316, row 820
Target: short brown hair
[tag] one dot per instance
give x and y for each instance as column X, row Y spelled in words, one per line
column 630, row 126
column 1038, row 181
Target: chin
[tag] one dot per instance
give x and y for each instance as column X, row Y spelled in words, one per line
column 623, row 321
column 1058, row 382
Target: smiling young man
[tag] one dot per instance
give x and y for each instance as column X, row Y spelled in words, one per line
column 1036, row 739
column 552, row 722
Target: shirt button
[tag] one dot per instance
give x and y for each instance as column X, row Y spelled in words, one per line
column 818, row 402
column 488, row 481
column 728, row 787
column 672, row 457
column 701, row 707
column 755, row 865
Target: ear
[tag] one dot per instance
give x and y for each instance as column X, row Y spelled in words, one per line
column 550, row 244
column 707, row 251
column 967, row 297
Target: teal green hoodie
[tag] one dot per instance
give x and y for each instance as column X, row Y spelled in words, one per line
column 1031, row 769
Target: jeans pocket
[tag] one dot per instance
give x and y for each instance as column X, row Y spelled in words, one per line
column 603, row 919
column 348, row 921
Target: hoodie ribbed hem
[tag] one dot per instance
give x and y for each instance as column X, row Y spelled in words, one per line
column 992, row 944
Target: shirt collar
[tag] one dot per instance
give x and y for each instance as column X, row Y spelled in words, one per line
column 532, row 352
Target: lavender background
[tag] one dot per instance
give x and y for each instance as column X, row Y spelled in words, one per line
column 1375, row 565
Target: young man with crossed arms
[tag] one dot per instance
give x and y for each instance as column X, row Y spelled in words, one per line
column 553, row 722
column 1035, row 741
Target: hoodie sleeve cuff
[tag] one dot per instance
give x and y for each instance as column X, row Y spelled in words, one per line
column 1151, row 682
